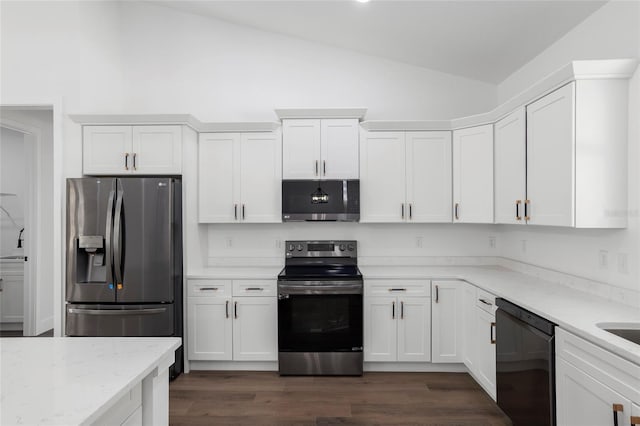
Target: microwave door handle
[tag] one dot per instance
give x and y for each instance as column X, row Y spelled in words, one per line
column 117, row 240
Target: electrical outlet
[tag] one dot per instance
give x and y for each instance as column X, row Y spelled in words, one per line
column 603, row 259
column 229, row 242
column 492, row 242
column 623, row 265
column 523, row 245
column 419, row 242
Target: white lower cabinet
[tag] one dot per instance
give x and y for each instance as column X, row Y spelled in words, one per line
column 232, row 321
column 447, row 321
column 594, row 386
column 397, row 326
column 479, row 349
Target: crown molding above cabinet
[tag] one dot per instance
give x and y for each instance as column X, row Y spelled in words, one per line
column 288, row 113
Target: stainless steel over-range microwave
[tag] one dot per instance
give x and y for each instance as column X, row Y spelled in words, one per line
column 321, row 200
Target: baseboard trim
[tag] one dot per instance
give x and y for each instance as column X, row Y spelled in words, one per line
column 233, row 365
column 414, row 367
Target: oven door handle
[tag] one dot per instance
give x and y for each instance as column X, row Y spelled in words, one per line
column 290, row 289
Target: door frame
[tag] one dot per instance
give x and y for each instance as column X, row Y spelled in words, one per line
column 33, row 326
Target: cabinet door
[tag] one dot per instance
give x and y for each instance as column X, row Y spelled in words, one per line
column 551, row 158
column 470, row 344
column 380, row 329
column 255, row 329
column 635, row 415
column 11, row 298
column 106, row 150
column 157, row 150
column 446, row 319
column 428, row 162
column 339, row 149
column 261, row 177
column 582, row 400
column 414, row 329
column 217, row 202
column 382, row 177
column 486, row 349
column 473, row 174
column 209, row 328
column 301, row 149
column 510, row 168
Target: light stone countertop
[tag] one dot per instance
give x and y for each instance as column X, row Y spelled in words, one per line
column 73, row 380
column 573, row 310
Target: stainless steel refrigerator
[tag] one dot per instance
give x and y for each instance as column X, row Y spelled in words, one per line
column 124, row 258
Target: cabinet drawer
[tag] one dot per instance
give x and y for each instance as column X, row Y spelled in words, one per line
column 485, row 301
column 254, row 287
column 210, row 288
column 397, row 287
column 619, row 374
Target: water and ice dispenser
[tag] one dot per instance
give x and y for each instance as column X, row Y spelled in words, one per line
column 90, row 259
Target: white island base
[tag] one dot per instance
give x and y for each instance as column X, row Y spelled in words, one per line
column 86, row 380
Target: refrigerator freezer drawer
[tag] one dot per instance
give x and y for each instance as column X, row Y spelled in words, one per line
column 120, row 320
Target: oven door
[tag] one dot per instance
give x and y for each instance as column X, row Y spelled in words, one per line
column 320, row 317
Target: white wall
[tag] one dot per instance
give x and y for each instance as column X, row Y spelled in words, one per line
column 611, row 32
column 12, row 177
column 179, row 62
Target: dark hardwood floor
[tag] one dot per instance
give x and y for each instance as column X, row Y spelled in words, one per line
column 264, row 398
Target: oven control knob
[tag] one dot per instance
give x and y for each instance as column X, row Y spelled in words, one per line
column 350, row 247
column 342, row 247
column 291, row 247
column 299, row 247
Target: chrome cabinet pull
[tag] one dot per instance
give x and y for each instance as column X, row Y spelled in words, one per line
column 235, row 212
column 437, row 294
column 393, row 310
column 324, row 167
column 402, row 210
column 401, row 310
column 518, row 202
column 397, row 289
column 226, row 309
column 254, row 289
column 235, row 309
column 126, row 161
column 455, row 211
column 134, row 160
column 1, row 285
column 316, row 167
column 491, row 333
column 208, row 288
column 526, row 210
column 243, row 212
column 486, row 302
column 410, row 211
column 616, row 408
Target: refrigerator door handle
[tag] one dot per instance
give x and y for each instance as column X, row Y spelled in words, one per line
column 117, row 239
column 149, row 311
column 109, row 235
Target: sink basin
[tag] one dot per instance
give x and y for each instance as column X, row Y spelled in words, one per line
column 627, row 330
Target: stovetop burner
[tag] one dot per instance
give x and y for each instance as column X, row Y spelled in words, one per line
column 301, row 272
column 321, row 260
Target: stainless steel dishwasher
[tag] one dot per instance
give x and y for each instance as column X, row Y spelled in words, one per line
column 525, row 365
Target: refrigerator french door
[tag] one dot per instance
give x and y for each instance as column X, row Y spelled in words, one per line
column 124, row 257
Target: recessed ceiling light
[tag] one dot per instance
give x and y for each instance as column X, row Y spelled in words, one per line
column 363, row 1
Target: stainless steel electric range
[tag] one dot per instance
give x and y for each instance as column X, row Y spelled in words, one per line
column 320, row 309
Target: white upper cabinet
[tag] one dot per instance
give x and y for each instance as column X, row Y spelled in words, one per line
column 577, row 155
column 301, row 149
column 473, row 174
column 339, row 148
column 157, row 150
column 239, row 177
column 382, row 177
column 320, row 149
column 405, row 177
column 510, row 168
column 550, row 158
column 121, row 150
column 428, row 174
